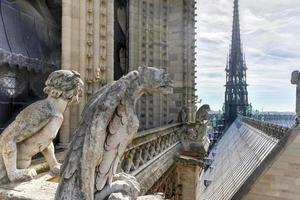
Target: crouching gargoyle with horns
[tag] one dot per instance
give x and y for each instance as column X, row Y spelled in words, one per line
column 108, row 124
column 36, row 126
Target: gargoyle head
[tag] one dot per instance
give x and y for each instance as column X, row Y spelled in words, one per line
column 205, row 107
column 155, row 80
column 202, row 113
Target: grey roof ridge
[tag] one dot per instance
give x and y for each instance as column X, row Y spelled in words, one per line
column 270, row 159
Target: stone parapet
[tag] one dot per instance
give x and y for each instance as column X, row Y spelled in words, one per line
column 151, row 154
column 268, row 128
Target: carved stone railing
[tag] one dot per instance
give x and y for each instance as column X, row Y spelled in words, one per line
column 268, row 128
column 149, row 145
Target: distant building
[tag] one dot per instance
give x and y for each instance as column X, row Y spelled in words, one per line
column 236, row 94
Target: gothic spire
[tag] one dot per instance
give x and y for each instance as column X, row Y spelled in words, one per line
column 236, row 95
column 236, row 55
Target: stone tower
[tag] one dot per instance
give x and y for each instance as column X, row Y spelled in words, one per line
column 162, row 34
column 236, row 95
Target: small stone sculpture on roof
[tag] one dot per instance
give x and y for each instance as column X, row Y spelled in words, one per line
column 194, row 138
column 36, row 126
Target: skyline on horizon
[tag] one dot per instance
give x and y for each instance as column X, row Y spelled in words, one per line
column 269, row 37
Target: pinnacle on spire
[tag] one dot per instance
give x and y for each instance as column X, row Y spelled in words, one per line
column 236, row 50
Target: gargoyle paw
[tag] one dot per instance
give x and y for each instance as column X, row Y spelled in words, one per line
column 55, row 170
column 23, row 175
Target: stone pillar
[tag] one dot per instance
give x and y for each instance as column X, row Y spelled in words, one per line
column 295, row 80
column 188, row 170
column 87, row 47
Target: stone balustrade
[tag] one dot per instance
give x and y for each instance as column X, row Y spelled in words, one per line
column 268, row 128
column 149, row 145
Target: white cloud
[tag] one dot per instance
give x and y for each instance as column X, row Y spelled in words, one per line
column 270, row 34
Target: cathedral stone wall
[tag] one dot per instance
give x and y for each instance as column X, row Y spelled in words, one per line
column 161, row 34
column 87, row 47
column 281, row 179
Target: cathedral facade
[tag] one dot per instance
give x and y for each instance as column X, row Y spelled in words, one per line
column 103, row 40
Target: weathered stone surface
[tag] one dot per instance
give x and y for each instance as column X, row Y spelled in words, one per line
column 190, row 163
column 188, row 171
column 36, row 126
column 40, row 188
column 194, row 138
column 108, row 125
column 295, row 80
column 281, row 175
column 151, row 197
column 182, row 116
column 120, row 196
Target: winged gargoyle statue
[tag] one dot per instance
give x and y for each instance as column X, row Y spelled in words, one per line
column 108, row 124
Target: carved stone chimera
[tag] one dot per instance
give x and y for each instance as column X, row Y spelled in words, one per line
column 108, row 124
column 195, row 135
column 36, row 126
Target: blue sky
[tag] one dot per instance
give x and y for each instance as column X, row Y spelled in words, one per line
column 270, row 32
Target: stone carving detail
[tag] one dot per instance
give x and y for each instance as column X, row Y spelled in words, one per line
column 194, row 137
column 107, row 126
column 36, row 126
column 167, row 184
column 272, row 130
column 89, row 47
column 103, row 40
column 295, row 80
column 141, row 154
column 182, row 115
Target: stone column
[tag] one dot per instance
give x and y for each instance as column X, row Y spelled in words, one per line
column 295, row 80
column 87, row 47
column 188, row 170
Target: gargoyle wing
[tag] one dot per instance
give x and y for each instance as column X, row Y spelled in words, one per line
column 87, row 146
column 29, row 121
column 115, row 144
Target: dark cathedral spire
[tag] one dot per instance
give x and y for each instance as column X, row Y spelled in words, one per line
column 236, row 95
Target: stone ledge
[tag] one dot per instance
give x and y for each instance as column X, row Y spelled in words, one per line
column 39, row 188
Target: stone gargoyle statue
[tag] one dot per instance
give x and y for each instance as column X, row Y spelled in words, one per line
column 195, row 137
column 202, row 115
column 108, row 124
column 36, row 126
column 182, row 115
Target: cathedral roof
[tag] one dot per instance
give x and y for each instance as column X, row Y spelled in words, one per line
column 237, row 160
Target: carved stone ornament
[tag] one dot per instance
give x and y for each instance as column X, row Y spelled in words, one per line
column 36, row 126
column 108, row 124
column 194, row 137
